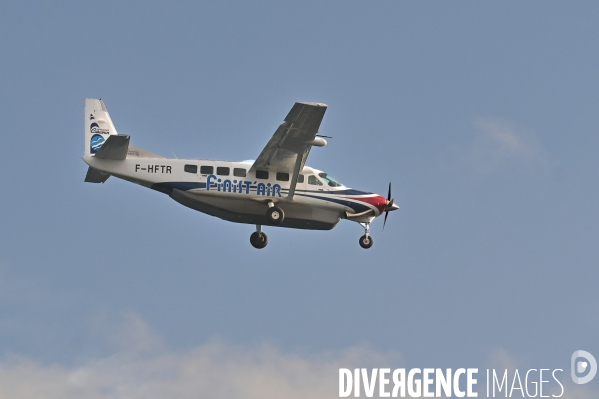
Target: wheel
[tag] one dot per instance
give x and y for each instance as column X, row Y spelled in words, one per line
column 275, row 215
column 258, row 240
column 366, row 242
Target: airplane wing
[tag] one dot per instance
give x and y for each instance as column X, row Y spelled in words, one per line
column 295, row 136
column 289, row 147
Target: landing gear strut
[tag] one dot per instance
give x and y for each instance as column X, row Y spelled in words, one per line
column 366, row 240
column 258, row 239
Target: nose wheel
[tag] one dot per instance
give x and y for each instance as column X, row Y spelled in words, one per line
column 366, row 240
column 258, row 239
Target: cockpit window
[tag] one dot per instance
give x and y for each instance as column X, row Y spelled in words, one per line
column 314, row 180
column 330, row 180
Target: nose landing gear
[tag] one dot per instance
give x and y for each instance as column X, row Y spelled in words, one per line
column 258, row 239
column 366, row 240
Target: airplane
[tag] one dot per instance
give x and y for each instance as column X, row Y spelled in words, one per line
column 277, row 189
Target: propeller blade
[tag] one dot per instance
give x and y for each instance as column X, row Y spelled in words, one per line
column 389, row 204
column 385, row 221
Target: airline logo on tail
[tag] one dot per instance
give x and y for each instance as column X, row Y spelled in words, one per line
column 97, row 140
column 95, row 128
column 96, row 143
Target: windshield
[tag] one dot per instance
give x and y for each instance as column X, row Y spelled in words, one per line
column 330, row 180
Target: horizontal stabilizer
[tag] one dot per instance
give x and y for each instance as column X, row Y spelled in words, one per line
column 115, row 147
column 96, row 176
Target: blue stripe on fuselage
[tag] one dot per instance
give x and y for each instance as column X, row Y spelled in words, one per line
column 349, row 191
column 179, row 185
column 357, row 207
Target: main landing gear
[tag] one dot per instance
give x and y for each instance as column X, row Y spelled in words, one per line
column 274, row 214
column 258, row 239
column 366, row 240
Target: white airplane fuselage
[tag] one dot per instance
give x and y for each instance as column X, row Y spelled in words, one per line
column 231, row 191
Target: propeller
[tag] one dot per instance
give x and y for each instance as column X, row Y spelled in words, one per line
column 389, row 207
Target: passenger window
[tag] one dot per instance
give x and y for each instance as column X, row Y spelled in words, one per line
column 314, row 181
column 206, row 170
column 191, row 168
column 222, row 171
column 239, row 172
column 282, row 176
column 261, row 174
column 300, row 178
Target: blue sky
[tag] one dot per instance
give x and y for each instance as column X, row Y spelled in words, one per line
column 482, row 115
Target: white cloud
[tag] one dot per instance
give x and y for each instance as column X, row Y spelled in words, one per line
column 507, row 137
column 498, row 144
column 143, row 368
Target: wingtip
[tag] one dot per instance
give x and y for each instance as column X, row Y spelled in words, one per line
column 314, row 104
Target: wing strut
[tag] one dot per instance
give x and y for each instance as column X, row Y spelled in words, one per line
column 299, row 162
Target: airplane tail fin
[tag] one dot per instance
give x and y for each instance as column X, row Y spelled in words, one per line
column 98, row 125
column 102, row 141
